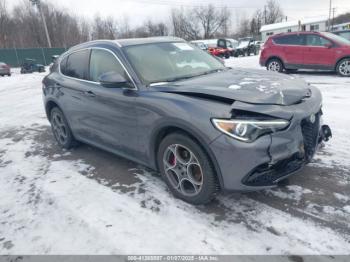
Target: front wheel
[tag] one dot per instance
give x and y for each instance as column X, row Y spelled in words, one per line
column 343, row 67
column 61, row 129
column 274, row 65
column 186, row 169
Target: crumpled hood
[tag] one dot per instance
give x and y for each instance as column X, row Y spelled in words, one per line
column 250, row 86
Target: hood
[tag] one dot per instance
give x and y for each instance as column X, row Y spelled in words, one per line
column 249, row 86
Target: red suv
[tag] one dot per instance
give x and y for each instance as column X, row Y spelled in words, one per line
column 306, row 50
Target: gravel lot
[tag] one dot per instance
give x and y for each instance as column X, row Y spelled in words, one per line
column 85, row 200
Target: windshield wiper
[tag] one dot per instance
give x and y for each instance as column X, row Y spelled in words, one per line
column 184, row 77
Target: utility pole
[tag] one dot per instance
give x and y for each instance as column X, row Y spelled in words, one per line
column 333, row 17
column 38, row 4
column 330, row 14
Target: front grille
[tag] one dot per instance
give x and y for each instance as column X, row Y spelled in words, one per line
column 310, row 133
column 265, row 175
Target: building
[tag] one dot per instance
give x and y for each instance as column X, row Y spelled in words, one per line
column 341, row 27
column 307, row 24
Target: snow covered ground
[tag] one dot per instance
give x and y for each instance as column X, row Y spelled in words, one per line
column 86, row 201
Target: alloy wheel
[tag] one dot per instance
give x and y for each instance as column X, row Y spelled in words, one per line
column 183, row 170
column 344, row 68
column 274, row 66
column 59, row 128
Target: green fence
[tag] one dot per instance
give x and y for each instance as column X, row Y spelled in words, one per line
column 14, row 57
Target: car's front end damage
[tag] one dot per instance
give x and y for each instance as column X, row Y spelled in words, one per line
column 267, row 127
column 262, row 163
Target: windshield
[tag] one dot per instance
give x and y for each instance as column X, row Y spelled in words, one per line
column 166, row 62
column 337, row 38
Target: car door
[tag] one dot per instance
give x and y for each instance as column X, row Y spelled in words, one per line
column 71, row 84
column 110, row 119
column 291, row 49
column 319, row 53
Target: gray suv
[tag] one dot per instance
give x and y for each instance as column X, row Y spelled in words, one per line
column 174, row 108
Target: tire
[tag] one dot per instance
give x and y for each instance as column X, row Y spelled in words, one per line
column 227, row 55
column 61, row 129
column 9, row 75
column 177, row 170
column 343, row 67
column 274, row 65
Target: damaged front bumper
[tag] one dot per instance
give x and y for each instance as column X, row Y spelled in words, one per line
column 272, row 158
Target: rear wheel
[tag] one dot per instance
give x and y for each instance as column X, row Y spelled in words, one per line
column 274, row 65
column 186, row 169
column 343, row 67
column 61, row 129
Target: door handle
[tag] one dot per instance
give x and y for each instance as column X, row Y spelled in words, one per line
column 89, row 93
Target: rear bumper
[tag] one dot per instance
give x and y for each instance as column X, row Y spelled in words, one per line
column 271, row 158
column 4, row 71
column 262, row 61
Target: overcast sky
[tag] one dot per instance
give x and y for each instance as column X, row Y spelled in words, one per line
column 158, row 10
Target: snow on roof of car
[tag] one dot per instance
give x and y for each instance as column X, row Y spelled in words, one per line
column 293, row 23
column 147, row 40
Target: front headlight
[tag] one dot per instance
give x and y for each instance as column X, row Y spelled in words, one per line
column 249, row 130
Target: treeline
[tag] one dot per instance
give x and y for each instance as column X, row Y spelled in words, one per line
column 343, row 18
column 22, row 26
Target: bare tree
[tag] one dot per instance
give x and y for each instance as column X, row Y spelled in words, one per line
column 256, row 23
column 124, row 28
column 156, row 29
column 5, row 24
column 211, row 19
column 104, row 28
column 273, row 12
column 185, row 24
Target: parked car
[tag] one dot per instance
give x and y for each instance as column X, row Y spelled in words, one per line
column 345, row 34
column 176, row 109
column 228, row 44
column 5, row 69
column 30, row 66
column 246, row 47
column 307, row 50
column 258, row 44
column 218, row 47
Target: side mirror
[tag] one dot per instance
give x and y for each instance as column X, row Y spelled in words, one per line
column 112, row 79
column 329, row 45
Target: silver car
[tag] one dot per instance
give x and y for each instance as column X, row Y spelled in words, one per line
column 5, row 69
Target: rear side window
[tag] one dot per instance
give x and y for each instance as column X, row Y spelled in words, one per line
column 316, row 40
column 289, row 40
column 221, row 43
column 77, row 65
column 102, row 62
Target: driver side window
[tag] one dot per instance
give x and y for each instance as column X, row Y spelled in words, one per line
column 102, row 62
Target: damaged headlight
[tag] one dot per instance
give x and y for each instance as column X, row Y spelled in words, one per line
column 249, row 130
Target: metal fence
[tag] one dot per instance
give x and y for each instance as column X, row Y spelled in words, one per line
column 15, row 57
